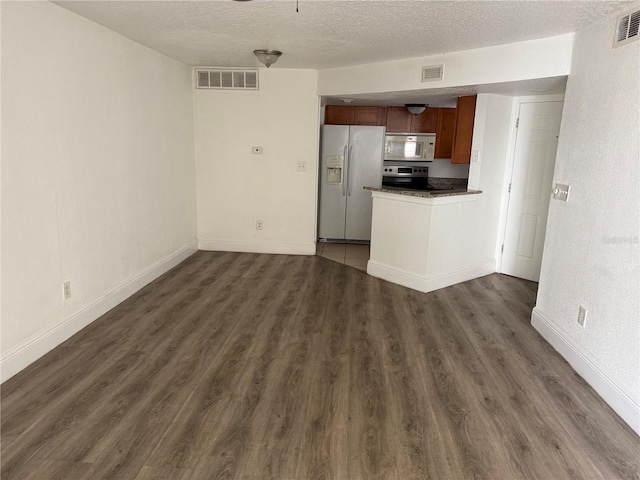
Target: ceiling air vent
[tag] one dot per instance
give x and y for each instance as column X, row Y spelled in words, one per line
column 219, row 78
column 627, row 28
column 432, row 73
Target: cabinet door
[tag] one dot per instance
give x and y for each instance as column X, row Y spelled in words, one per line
column 372, row 116
column 398, row 120
column 426, row 122
column 463, row 135
column 444, row 132
column 339, row 115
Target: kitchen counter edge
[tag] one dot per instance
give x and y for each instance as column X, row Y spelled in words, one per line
column 424, row 194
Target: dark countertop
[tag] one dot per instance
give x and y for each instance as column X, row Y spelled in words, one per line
column 425, row 194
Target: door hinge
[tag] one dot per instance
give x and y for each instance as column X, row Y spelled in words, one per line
column 517, row 122
column 509, row 191
column 502, row 248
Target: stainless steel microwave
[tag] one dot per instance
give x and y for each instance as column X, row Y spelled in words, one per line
column 417, row 148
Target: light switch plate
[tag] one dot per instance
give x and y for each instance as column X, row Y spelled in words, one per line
column 301, row 166
column 561, row 192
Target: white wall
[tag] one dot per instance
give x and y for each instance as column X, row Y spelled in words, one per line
column 97, row 173
column 592, row 250
column 0, row 195
column 235, row 188
column 492, row 135
column 546, row 57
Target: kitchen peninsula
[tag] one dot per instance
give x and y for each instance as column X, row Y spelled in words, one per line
column 426, row 240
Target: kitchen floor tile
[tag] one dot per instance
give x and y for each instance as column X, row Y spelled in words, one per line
column 359, row 263
column 334, row 250
column 351, row 254
column 334, row 259
column 357, row 251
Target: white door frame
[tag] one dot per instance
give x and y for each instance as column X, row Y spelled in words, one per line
column 513, row 135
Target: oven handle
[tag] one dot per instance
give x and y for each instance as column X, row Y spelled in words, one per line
column 349, row 172
column 404, row 175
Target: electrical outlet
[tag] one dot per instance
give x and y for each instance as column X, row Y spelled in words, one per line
column 259, row 225
column 301, row 167
column 66, row 289
column 256, row 150
column 582, row 316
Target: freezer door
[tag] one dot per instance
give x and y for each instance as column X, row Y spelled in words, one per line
column 366, row 146
column 333, row 195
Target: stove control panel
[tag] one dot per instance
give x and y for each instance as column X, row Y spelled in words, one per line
column 405, row 171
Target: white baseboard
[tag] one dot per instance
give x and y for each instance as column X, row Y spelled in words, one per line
column 428, row 283
column 27, row 352
column 442, row 281
column 617, row 396
column 396, row 275
column 248, row 246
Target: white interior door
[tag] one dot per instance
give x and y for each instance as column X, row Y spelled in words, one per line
column 534, row 159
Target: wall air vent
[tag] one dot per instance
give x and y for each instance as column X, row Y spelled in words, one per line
column 627, row 28
column 223, row 78
column 432, row 73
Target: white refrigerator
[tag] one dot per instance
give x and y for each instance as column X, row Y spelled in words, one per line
column 351, row 158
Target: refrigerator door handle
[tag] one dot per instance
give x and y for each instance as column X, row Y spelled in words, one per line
column 344, row 170
column 349, row 172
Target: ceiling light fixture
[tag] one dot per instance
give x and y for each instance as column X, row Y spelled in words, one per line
column 267, row 57
column 416, row 108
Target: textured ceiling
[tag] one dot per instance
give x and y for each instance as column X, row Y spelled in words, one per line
column 330, row 33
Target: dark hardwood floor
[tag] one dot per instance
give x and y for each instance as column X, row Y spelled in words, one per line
column 246, row 366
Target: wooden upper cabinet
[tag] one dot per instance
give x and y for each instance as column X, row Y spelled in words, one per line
column 398, row 120
column 444, row 132
column 463, row 134
column 339, row 115
column 350, row 115
column 374, row 116
column 426, row 122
